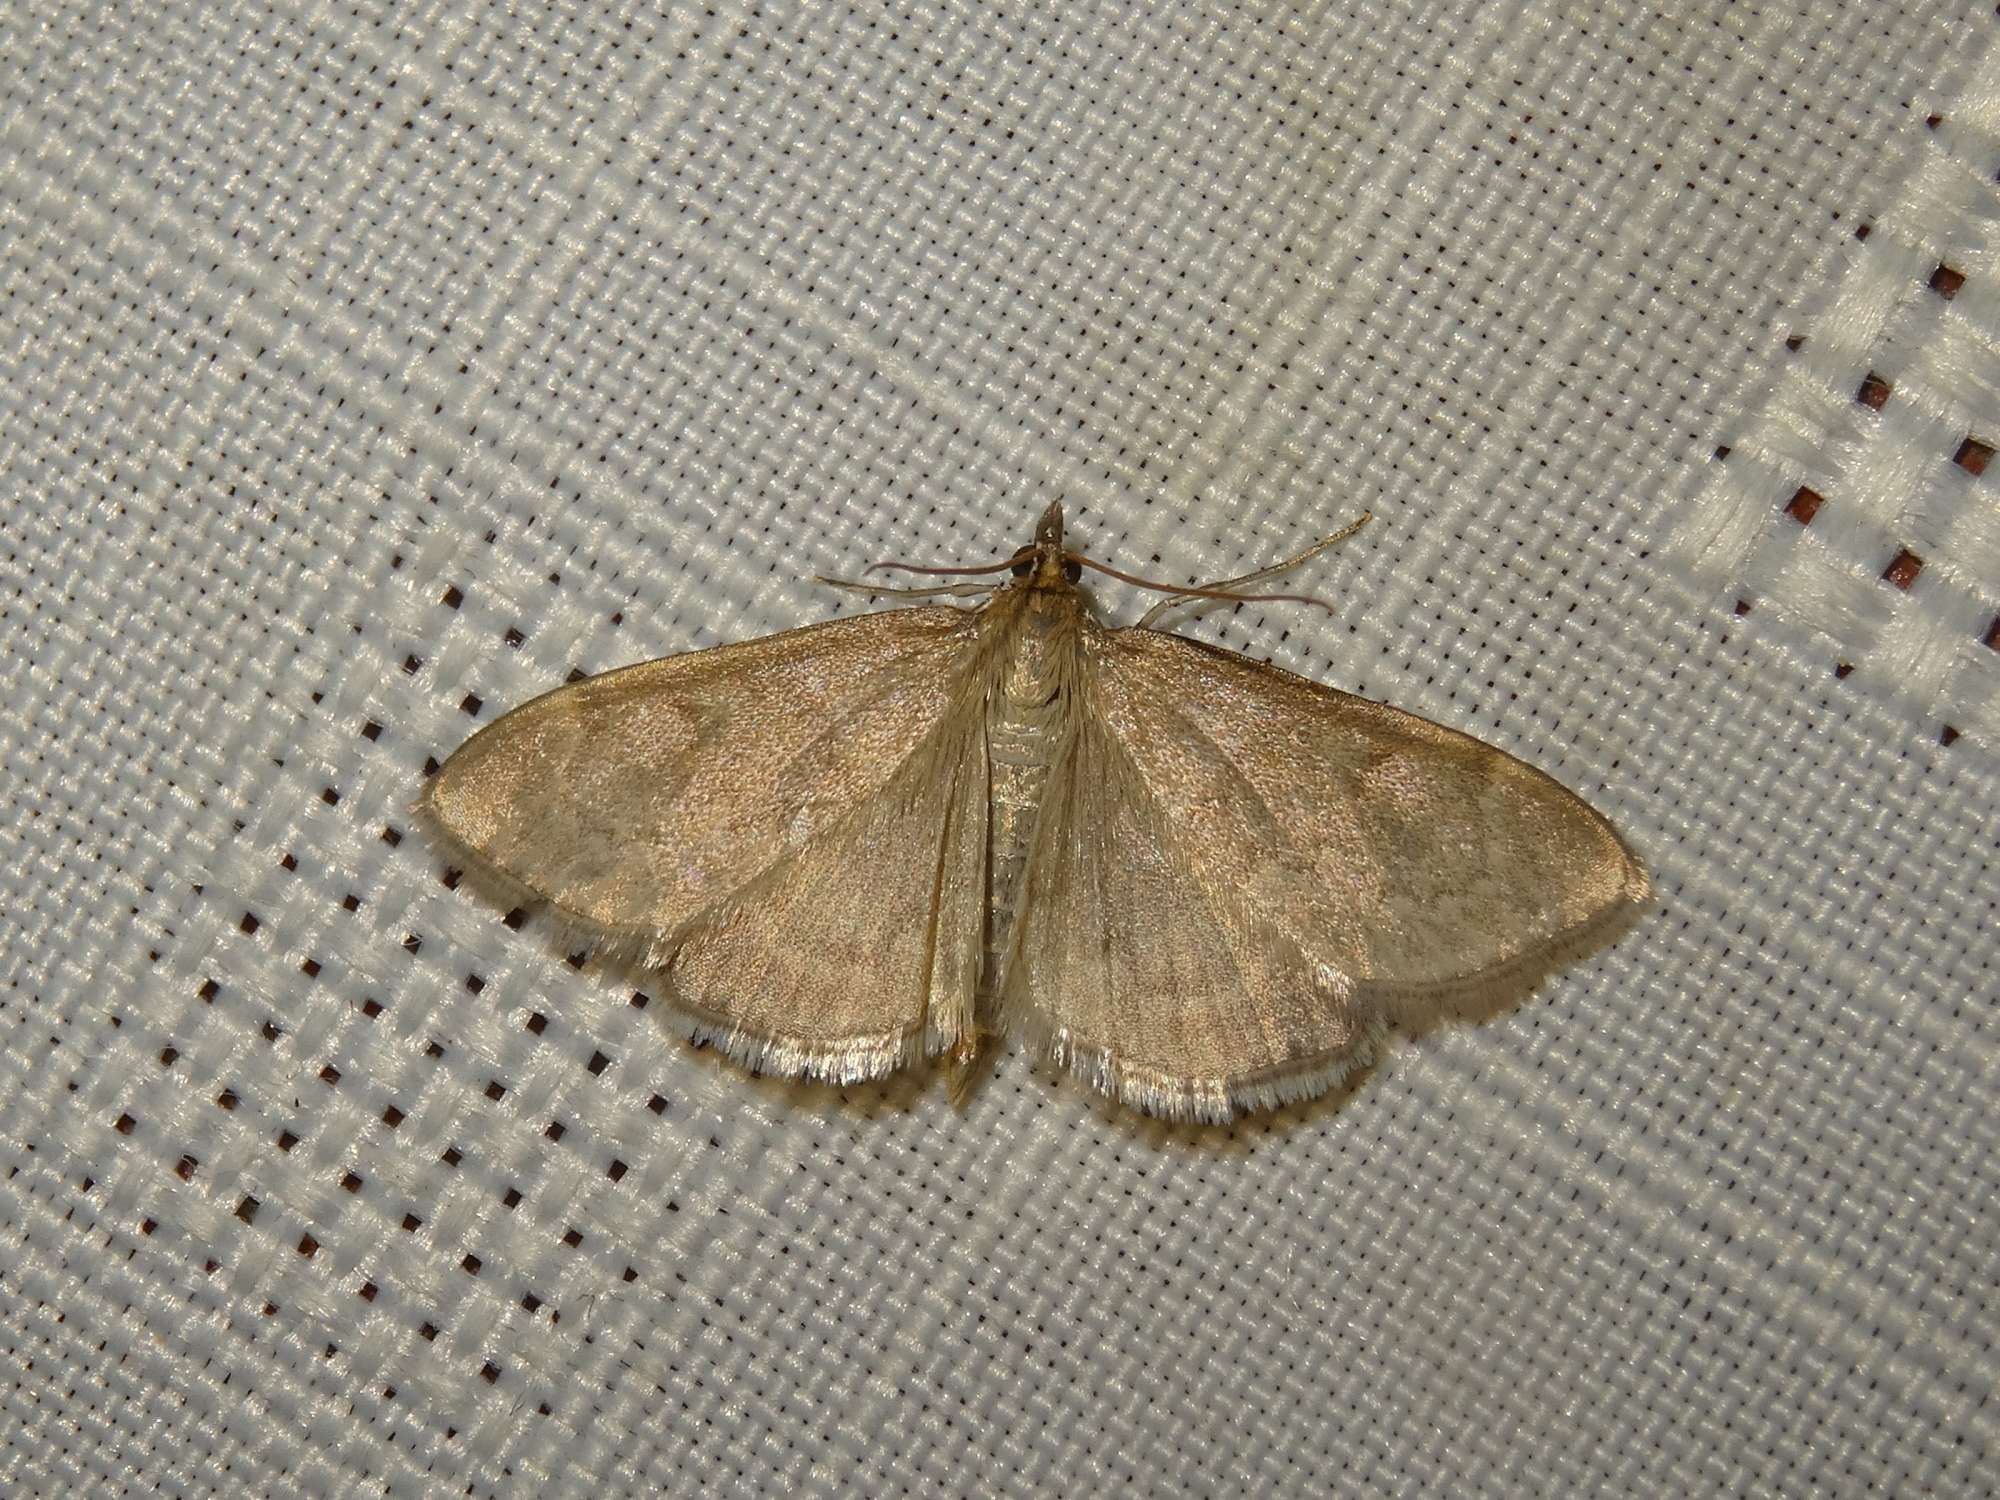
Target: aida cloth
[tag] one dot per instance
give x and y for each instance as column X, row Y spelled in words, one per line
column 367, row 369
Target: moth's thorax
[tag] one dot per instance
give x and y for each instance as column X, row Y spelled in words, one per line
column 1038, row 635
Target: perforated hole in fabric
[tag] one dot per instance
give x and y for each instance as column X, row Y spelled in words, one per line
column 365, row 371
column 1899, row 575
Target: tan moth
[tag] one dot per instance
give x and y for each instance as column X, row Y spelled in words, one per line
column 1200, row 882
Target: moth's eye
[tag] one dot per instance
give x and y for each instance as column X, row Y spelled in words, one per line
column 1072, row 569
column 1024, row 567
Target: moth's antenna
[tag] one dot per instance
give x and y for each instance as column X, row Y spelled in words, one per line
column 1302, row 558
column 902, row 567
column 955, row 590
column 1183, row 592
column 1229, row 588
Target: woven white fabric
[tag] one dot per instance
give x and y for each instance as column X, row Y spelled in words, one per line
column 365, row 370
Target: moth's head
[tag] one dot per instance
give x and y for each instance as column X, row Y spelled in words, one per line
column 1044, row 564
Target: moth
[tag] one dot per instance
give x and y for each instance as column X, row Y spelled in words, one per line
column 1201, row 883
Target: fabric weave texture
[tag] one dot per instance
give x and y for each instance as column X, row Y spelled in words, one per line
column 365, row 370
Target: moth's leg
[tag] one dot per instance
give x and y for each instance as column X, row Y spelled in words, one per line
column 1236, row 584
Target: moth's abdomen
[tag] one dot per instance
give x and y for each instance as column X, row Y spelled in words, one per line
column 1018, row 753
column 1027, row 718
